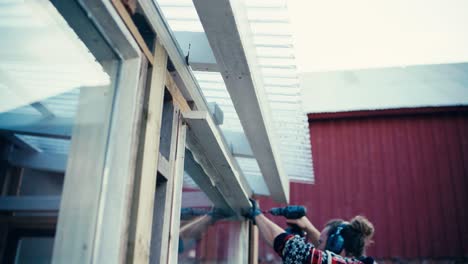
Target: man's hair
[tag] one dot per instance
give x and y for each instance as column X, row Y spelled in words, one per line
column 356, row 234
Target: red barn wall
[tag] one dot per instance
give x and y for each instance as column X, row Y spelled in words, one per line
column 406, row 170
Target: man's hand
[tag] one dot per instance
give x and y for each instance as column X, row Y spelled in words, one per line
column 302, row 222
column 253, row 211
column 312, row 233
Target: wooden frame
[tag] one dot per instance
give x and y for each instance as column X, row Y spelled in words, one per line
column 163, row 165
column 94, row 228
column 140, row 230
column 177, row 96
column 121, row 162
column 95, row 201
column 207, row 139
column 183, row 77
column 119, row 6
column 166, row 220
column 177, row 178
column 253, row 243
column 145, row 184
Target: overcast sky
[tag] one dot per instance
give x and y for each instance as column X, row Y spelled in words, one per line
column 340, row 34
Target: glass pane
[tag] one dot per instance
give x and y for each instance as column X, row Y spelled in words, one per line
column 207, row 233
column 41, row 56
column 57, row 85
column 49, row 78
column 205, row 242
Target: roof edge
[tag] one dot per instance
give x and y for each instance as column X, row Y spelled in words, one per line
column 386, row 112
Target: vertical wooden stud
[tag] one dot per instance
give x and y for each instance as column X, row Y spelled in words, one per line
column 253, row 243
column 178, row 178
column 145, row 184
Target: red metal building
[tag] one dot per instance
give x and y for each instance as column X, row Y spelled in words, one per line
column 404, row 169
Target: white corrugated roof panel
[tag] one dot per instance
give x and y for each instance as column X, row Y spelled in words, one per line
column 42, row 56
column 46, row 144
column 273, row 44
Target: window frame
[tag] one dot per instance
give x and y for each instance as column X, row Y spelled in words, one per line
column 106, row 233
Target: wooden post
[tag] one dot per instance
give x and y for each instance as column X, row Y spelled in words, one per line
column 160, row 254
column 121, row 160
column 145, row 184
column 178, row 179
column 253, row 243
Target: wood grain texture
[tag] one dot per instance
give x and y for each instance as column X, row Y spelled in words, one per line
column 119, row 6
column 145, row 184
column 178, row 178
column 177, row 96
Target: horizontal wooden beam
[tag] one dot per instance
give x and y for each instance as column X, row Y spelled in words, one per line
column 206, row 139
column 198, row 173
column 226, row 26
column 164, row 167
column 29, row 203
column 176, row 93
column 119, row 6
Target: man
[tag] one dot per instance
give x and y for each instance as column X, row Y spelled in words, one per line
column 339, row 242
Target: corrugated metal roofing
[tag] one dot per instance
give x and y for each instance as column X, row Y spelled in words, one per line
column 273, row 45
column 396, row 87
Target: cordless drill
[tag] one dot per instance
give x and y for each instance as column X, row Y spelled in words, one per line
column 291, row 212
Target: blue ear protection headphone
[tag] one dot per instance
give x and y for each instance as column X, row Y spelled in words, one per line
column 335, row 241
